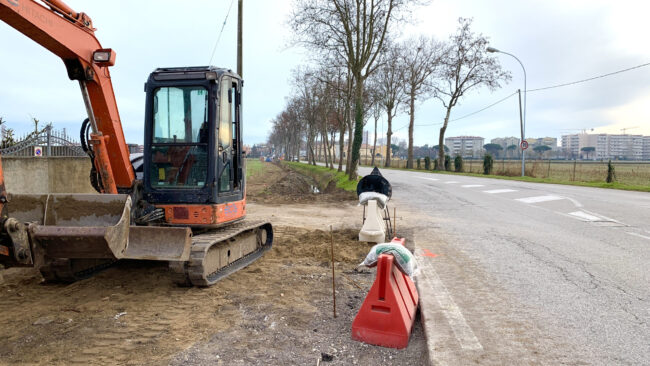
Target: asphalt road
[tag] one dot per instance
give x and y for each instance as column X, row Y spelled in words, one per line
column 528, row 273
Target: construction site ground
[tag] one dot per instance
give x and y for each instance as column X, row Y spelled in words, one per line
column 278, row 311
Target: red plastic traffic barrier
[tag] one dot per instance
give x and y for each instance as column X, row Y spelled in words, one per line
column 400, row 241
column 387, row 314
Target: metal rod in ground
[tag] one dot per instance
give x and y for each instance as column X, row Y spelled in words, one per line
column 394, row 222
column 333, row 281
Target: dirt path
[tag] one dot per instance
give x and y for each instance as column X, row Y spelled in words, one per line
column 276, row 311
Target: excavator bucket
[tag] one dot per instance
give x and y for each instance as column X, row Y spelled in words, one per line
column 91, row 226
column 74, row 225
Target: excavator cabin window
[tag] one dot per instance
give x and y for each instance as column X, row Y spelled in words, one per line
column 180, row 137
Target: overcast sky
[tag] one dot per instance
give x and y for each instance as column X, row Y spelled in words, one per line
column 557, row 41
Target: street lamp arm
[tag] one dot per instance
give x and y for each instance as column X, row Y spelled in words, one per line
column 523, row 135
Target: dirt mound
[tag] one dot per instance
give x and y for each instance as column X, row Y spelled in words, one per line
column 276, row 311
column 280, row 184
column 316, row 245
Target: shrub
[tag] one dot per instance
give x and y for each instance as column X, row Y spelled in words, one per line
column 427, row 163
column 447, row 162
column 458, row 163
column 611, row 174
column 418, row 162
column 488, row 164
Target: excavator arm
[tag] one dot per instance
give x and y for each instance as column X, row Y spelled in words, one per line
column 71, row 36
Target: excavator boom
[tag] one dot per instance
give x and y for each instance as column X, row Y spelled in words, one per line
column 70, row 36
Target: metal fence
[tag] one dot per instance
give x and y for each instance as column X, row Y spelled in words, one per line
column 51, row 142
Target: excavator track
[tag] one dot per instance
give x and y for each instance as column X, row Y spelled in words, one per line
column 215, row 255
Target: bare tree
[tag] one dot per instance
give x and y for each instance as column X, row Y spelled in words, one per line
column 355, row 31
column 36, row 122
column 376, row 110
column 388, row 81
column 465, row 67
column 420, row 58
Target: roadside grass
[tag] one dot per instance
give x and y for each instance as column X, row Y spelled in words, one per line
column 324, row 175
column 254, row 167
column 614, row 185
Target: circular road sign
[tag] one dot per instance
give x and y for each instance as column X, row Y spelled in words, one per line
column 524, row 145
column 38, row 151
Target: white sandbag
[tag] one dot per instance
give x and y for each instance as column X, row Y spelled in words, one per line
column 404, row 259
column 380, row 198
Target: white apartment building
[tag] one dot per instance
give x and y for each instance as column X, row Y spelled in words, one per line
column 466, row 146
column 621, row 147
column 571, row 145
column 506, row 141
column 547, row 141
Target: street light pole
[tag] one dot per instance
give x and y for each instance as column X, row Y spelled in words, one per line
column 523, row 127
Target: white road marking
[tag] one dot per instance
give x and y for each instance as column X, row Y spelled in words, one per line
column 639, row 235
column 575, row 202
column 472, row 185
column 538, row 199
column 451, row 182
column 493, row 191
column 585, row 216
column 450, row 310
column 605, row 218
column 428, row 178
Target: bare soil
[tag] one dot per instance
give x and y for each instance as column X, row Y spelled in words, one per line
column 277, row 311
column 280, row 185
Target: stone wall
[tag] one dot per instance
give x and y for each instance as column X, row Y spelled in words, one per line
column 47, row 175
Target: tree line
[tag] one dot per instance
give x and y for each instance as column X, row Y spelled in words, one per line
column 362, row 69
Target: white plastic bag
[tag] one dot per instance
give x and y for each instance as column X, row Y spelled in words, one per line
column 404, row 259
column 380, row 198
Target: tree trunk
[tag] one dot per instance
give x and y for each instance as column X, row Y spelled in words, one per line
column 374, row 146
column 341, row 146
column 332, row 147
column 358, row 127
column 441, row 139
column 409, row 159
column 348, row 162
column 325, row 147
column 389, row 134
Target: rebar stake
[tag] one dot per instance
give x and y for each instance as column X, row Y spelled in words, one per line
column 394, row 222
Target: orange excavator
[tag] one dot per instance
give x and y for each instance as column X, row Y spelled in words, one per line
column 183, row 200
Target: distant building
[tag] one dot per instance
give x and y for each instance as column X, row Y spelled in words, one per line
column 506, row 141
column 543, row 141
column 615, row 147
column 571, row 145
column 466, row 146
column 135, row 148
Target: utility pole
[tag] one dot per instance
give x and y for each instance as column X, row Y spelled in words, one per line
column 239, row 38
column 523, row 137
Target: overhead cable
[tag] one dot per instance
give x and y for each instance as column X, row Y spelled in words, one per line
column 589, row 79
column 220, row 32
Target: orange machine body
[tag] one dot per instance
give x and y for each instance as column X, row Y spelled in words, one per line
column 204, row 215
column 70, row 36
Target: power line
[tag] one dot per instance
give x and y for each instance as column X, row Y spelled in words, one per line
column 589, row 79
column 220, row 32
column 535, row 90
column 482, row 109
column 465, row 116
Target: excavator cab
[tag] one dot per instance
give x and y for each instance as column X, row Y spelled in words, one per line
column 193, row 165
